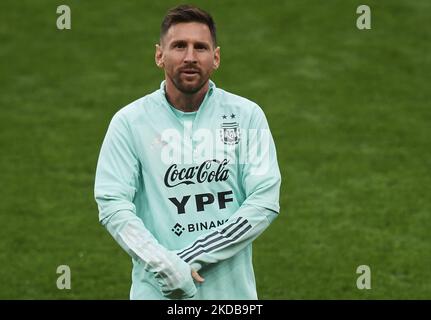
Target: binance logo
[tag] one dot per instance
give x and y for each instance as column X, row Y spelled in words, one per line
column 178, row 229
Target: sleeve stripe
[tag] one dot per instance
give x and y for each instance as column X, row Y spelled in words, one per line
column 208, row 237
column 219, row 245
column 145, row 249
column 216, row 240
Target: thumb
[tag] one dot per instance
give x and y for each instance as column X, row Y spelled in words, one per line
column 197, row 277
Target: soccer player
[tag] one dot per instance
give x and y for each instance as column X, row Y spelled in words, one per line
column 187, row 176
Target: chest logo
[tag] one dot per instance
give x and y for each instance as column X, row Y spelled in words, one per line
column 230, row 133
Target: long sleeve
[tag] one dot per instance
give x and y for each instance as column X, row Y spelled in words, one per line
column 117, row 178
column 260, row 181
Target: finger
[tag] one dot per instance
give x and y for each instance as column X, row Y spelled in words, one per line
column 197, row 277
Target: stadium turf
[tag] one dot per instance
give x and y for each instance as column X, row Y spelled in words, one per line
column 349, row 111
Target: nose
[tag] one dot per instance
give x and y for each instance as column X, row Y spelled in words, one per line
column 190, row 55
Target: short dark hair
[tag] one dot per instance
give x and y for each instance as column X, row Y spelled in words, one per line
column 188, row 13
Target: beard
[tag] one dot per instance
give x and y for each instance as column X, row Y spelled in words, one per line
column 189, row 86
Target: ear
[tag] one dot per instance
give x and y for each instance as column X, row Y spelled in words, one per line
column 158, row 57
column 216, row 58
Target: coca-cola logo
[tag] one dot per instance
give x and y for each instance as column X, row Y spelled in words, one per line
column 208, row 171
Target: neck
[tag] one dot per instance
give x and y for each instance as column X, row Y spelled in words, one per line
column 182, row 101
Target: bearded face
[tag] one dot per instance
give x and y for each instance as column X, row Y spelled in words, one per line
column 188, row 56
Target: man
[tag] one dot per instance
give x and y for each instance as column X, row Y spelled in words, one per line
column 187, row 176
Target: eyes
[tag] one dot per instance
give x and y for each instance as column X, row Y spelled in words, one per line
column 180, row 45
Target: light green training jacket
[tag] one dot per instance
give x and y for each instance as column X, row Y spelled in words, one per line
column 189, row 190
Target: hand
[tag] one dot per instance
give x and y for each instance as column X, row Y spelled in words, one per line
column 197, row 277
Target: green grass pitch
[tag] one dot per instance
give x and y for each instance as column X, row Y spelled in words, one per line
column 350, row 112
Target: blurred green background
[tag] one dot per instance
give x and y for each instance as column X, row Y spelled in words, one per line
column 350, row 112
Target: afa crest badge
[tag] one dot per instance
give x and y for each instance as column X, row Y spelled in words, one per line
column 230, row 133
